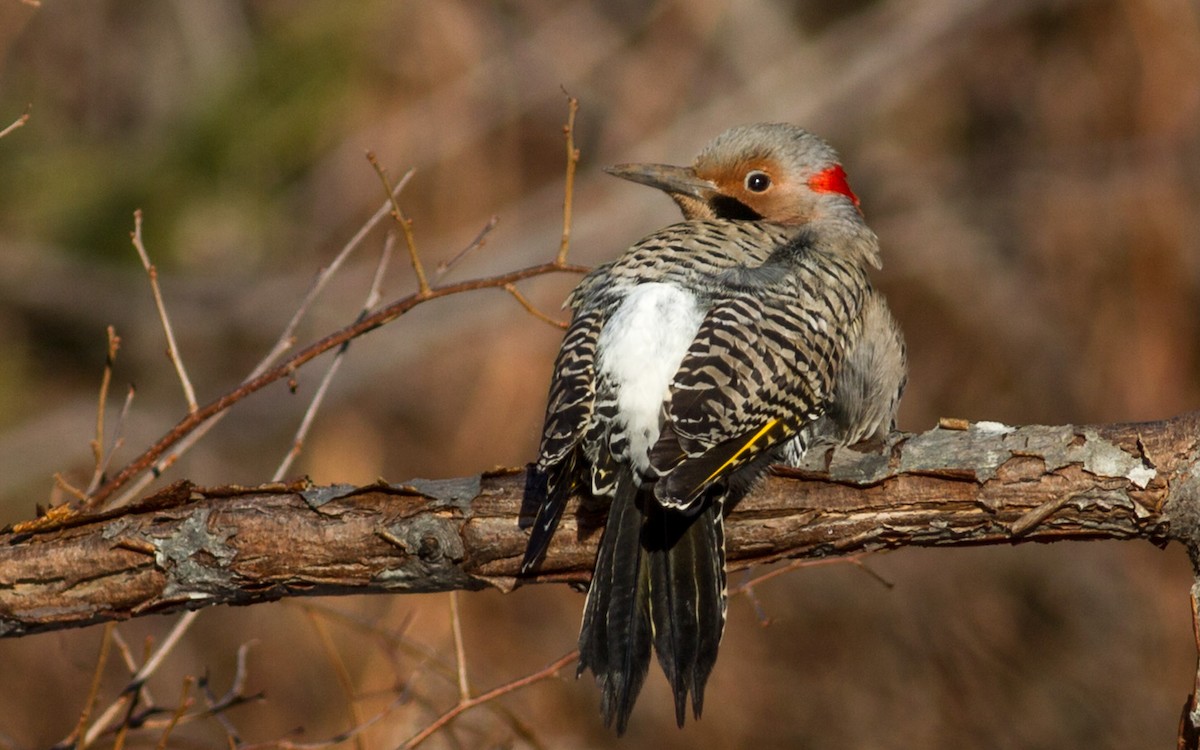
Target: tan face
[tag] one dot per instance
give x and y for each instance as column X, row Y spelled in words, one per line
column 772, row 191
column 749, row 187
column 762, row 185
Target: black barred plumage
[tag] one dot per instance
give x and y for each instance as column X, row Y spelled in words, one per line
column 746, row 334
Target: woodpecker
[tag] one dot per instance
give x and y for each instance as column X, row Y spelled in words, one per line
column 745, row 335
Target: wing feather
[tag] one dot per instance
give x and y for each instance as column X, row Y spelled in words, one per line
column 761, row 368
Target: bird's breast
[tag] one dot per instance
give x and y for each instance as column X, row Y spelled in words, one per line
column 639, row 352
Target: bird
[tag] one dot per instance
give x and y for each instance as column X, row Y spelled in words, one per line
column 747, row 334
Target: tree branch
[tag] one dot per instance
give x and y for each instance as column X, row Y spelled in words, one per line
column 189, row 547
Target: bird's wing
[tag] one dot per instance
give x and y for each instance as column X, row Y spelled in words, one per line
column 762, row 366
column 573, row 389
column 568, row 414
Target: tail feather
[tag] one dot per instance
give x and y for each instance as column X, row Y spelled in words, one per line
column 687, row 598
column 659, row 579
column 546, row 495
column 614, row 641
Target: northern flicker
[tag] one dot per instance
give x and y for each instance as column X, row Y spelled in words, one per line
column 745, row 335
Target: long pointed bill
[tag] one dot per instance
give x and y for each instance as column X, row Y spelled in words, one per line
column 670, row 179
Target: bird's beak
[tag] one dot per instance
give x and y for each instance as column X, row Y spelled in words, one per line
column 681, row 181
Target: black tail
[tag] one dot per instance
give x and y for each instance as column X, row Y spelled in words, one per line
column 687, row 597
column 659, row 579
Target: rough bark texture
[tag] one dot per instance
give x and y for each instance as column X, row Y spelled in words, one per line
column 189, row 547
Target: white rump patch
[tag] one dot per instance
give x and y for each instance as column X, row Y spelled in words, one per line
column 640, row 349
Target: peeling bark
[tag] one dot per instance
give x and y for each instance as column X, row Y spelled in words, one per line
column 188, row 547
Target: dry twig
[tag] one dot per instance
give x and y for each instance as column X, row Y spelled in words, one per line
column 529, row 307
column 479, row 241
column 549, row 671
column 319, row 396
column 285, row 341
column 172, row 348
column 185, row 702
column 569, row 191
column 89, row 703
column 128, row 698
column 339, row 669
column 405, row 226
column 17, row 123
column 379, row 318
column 110, row 355
column 460, row 654
column 196, row 418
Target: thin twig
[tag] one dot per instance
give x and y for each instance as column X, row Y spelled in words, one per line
column 390, row 640
column 525, row 303
column 89, row 704
column 405, row 225
column 460, row 653
column 379, row 318
column 861, row 564
column 747, row 588
column 172, row 349
column 130, row 663
column 110, row 355
column 479, row 241
column 796, row 564
column 336, row 739
column 156, row 659
column 339, row 669
column 62, row 483
column 17, row 123
column 233, row 695
column 185, row 702
column 125, row 651
column 569, row 189
column 118, row 438
column 287, row 339
column 319, row 397
column 139, row 678
column 1186, row 722
column 145, row 719
column 490, row 695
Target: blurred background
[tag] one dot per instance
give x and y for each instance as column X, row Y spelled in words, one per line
column 1033, row 170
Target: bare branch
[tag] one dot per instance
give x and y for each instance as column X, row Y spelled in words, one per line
column 339, row 669
column 17, row 123
column 371, row 322
column 525, row 303
column 405, row 226
column 549, row 671
column 128, row 697
column 337, row 739
column 569, row 190
column 285, row 341
column 460, row 653
column 89, row 703
column 319, row 396
column 479, row 241
column 172, row 348
column 287, row 337
column 185, row 702
column 215, row 707
column 188, row 547
column 110, row 355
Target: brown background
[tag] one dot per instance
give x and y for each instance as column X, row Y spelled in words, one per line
column 1033, row 170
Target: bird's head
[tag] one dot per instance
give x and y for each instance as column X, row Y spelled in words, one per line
column 771, row 171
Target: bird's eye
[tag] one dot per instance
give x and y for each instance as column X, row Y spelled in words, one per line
column 757, row 181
